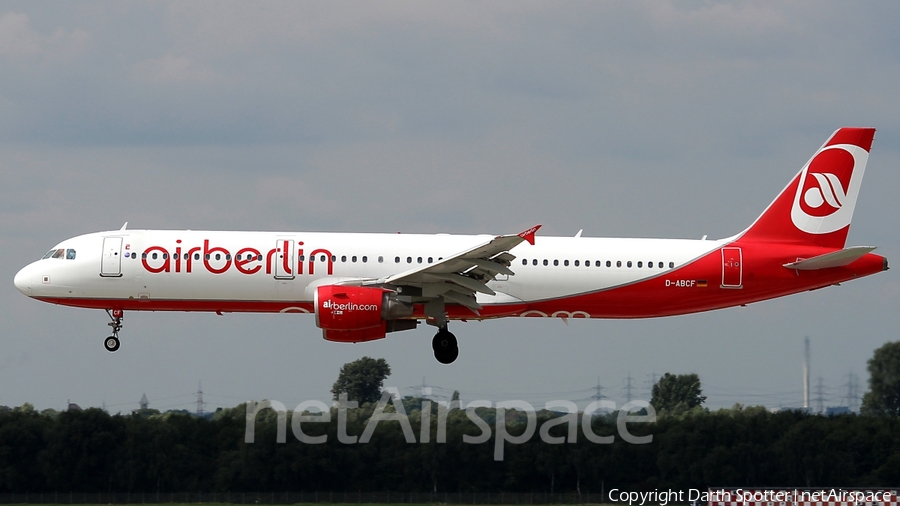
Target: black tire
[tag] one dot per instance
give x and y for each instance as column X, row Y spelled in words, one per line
column 444, row 341
column 111, row 343
column 447, row 357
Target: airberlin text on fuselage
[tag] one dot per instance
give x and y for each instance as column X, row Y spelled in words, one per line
column 246, row 260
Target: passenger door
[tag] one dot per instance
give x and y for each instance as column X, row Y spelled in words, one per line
column 111, row 261
column 732, row 268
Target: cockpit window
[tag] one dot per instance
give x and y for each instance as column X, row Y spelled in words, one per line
column 60, row 253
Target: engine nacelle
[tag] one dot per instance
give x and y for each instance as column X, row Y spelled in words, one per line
column 355, row 336
column 354, row 314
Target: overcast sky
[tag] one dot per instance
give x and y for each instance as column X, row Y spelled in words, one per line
column 643, row 119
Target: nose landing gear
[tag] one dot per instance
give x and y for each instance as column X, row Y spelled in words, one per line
column 446, row 348
column 111, row 343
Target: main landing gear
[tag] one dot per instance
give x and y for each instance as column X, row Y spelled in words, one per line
column 446, row 348
column 112, row 342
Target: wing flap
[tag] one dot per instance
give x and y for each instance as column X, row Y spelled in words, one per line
column 465, row 282
column 492, row 267
column 464, row 300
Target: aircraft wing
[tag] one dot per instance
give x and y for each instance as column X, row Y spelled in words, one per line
column 458, row 277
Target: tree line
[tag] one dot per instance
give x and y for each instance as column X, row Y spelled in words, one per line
column 685, row 446
column 93, row 451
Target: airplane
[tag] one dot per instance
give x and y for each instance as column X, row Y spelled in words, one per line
column 362, row 286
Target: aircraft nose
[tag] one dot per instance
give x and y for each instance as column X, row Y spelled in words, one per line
column 24, row 280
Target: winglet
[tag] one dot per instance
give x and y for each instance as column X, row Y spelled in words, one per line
column 528, row 235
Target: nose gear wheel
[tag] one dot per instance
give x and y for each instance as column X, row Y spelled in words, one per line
column 112, row 343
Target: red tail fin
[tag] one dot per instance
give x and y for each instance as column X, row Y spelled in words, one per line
column 817, row 205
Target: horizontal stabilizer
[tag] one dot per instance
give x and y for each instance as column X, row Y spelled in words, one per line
column 834, row 259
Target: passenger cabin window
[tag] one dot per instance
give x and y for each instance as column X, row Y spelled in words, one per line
column 671, row 265
column 576, row 263
column 534, row 262
column 524, row 262
column 545, row 262
column 555, row 263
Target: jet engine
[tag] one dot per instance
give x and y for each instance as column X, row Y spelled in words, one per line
column 353, row 314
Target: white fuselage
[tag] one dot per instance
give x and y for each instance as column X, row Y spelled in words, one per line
column 203, row 265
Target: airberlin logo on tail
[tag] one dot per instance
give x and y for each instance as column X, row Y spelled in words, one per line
column 825, row 197
column 826, row 193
